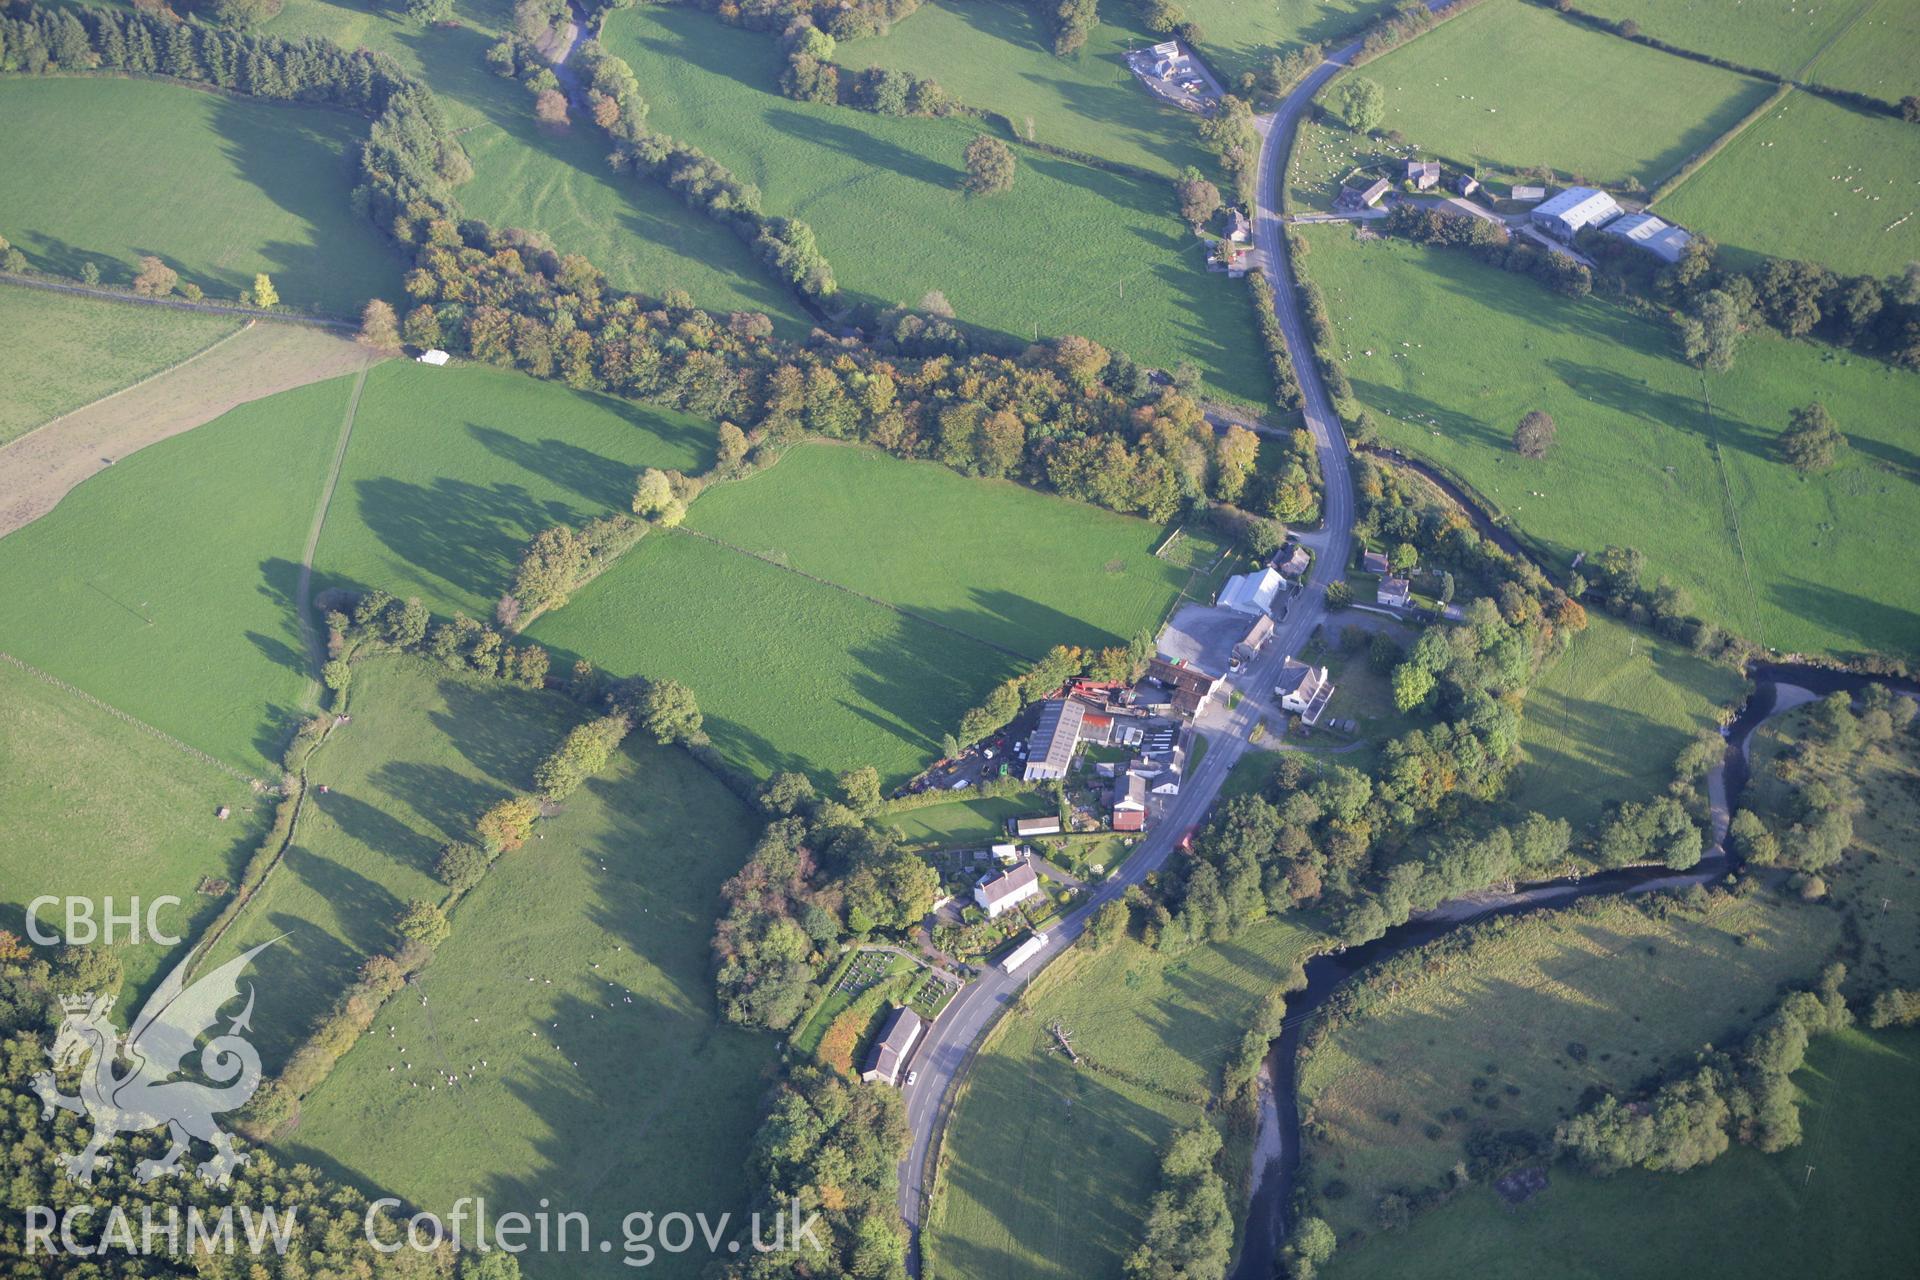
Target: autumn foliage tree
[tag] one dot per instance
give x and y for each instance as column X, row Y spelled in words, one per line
column 989, row 167
column 507, row 825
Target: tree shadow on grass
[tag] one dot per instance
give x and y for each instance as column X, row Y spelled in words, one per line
column 501, row 730
column 869, row 149
column 1875, row 625
column 467, row 535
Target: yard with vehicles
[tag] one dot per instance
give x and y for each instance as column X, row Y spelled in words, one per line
column 96, row 807
column 1508, row 1028
column 1510, row 84
column 967, row 560
column 1607, row 718
column 1814, row 180
column 1833, row 1206
column 1049, row 1165
column 1448, row 353
column 1071, row 249
column 607, row 1081
column 220, row 188
column 164, row 585
column 84, row 348
column 551, row 179
column 451, row 471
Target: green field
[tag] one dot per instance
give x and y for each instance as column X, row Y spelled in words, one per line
column 93, row 807
column 960, row 821
column 427, row 751
column 1002, row 563
column 791, row 673
column 1048, row 1167
column 220, row 187
column 165, row 584
column 1240, row 36
column 83, row 349
column 621, row 1106
column 1487, row 1031
column 1071, row 249
column 997, row 55
column 1781, row 36
column 1448, row 353
column 1814, row 180
column 1605, row 720
column 1748, row 1214
column 1512, row 84
column 551, row 180
column 450, row 471
column 1875, row 54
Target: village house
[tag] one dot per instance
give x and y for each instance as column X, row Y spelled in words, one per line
column 1004, row 890
column 1656, row 235
column 1191, row 687
column 1256, row 638
column 1303, row 689
column 1395, row 592
column 1239, row 230
column 1355, row 198
column 1573, row 211
column 888, row 1057
column 1130, row 803
column 1291, row 563
column 1423, row 174
column 1375, row 562
column 1466, row 184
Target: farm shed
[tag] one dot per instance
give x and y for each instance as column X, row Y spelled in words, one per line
column 1654, row 234
column 1574, row 210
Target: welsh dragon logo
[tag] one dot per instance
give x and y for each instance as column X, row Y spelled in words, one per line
column 144, row 1096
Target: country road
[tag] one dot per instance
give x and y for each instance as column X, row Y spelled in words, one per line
column 952, row 1041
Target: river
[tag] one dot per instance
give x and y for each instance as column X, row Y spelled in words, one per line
column 1778, row 687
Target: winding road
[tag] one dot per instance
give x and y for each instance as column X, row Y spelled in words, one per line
column 952, row 1041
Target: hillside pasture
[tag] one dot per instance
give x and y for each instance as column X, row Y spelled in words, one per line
column 1814, row 180
column 1049, row 1168
column 1780, row 36
column 104, row 170
column 791, row 673
column 1448, row 354
column 452, row 470
column 553, row 180
column 164, row 585
column 1070, row 249
column 1606, row 719
column 1512, row 85
column 80, row 349
column 1875, row 54
column 998, row 561
column 631, row 1093
column 1511, row 1030
column 96, row 808
column 1833, row 1206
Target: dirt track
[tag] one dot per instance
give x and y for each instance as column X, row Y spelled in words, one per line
column 45, row 465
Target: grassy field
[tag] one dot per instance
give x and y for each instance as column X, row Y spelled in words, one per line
column 596, row 1103
column 1242, row 35
column 451, row 471
column 1748, row 1214
column 792, row 674
column 1071, row 249
column 554, row 180
column 1448, row 353
column 427, row 752
column 1874, row 882
column 219, row 187
column 83, row 349
column 1875, row 54
column 95, row 808
column 164, row 585
column 968, row 559
column 1781, row 36
column 1511, row 84
column 961, row 821
column 1049, row 1167
column 1811, row 179
column 1480, row 1040
column 1605, row 720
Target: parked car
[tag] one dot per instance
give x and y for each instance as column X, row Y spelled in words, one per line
column 913, row 1077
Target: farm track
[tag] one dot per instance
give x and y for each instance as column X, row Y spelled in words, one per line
column 303, row 593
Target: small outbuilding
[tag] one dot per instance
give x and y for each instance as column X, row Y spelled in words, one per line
column 1528, row 195
column 1375, row 562
column 435, row 356
column 1466, row 184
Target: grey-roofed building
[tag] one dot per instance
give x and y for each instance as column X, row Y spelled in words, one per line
column 1239, row 230
column 1654, row 234
column 1394, row 591
column 1423, row 174
column 1529, row 193
column 1466, row 184
column 1050, row 749
column 1573, row 211
column 1191, row 686
column 1002, row 890
column 1303, row 689
column 1363, row 197
column 889, row 1054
